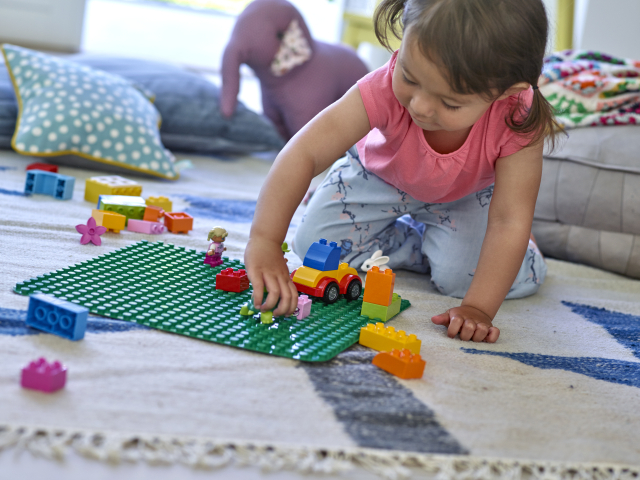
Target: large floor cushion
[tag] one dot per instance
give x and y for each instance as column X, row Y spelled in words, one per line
column 588, row 209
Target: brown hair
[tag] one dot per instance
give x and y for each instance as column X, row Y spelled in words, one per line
column 483, row 47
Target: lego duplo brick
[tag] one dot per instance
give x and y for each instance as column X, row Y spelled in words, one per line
column 374, row 311
column 143, row 226
column 152, row 213
column 112, row 221
column 58, row 186
column 163, row 202
column 44, row 376
column 323, row 256
column 129, row 206
column 57, row 316
column 385, row 339
column 110, row 185
column 46, row 167
column 401, row 363
column 178, row 222
column 379, row 286
column 169, row 288
column 231, row 280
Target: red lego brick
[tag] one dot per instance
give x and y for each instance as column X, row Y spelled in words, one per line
column 178, row 222
column 231, row 280
column 47, row 167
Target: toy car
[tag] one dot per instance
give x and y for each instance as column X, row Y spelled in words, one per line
column 328, row 285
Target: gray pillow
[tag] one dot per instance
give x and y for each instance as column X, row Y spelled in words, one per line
column 187, row 102
column 588, row 208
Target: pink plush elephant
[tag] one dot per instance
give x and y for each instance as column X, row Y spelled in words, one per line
column 299, row 76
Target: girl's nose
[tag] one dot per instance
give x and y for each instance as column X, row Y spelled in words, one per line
column 422, row 107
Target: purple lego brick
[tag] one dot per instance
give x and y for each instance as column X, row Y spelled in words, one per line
column 304, row 307
column 44, row 376
column 56, row 316
column 144, row 226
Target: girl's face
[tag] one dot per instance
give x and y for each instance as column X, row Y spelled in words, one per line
column 420, row 87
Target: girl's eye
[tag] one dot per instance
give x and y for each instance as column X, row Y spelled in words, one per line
column 449, row 107
column 407, row 80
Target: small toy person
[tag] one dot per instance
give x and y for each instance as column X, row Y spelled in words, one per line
column 213, row 256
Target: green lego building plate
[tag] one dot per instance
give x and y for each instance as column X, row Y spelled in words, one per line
column 167, row 287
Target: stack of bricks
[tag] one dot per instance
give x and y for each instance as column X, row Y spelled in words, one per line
column 379, row 301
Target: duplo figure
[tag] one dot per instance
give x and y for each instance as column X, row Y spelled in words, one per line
column 217, row 236
column 444, row 159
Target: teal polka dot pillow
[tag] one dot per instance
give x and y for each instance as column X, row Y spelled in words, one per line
column 66, row 108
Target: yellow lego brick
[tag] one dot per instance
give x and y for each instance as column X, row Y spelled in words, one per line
column 110, row 185
column 162, row 202
column 386, row 339
column 112, row 221
column 309, row 277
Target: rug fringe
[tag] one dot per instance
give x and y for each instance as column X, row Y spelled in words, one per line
column 203, row 453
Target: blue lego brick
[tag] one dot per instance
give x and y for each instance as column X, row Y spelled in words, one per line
column 323, row 257
column 52, row 315
column 48, row 183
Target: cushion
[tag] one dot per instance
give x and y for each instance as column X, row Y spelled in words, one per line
column 70, row 109
column 189, row 105
column 588, row 208
column 187, row 102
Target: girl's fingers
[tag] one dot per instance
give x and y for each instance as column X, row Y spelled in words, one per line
column 455, row 324
column 493, row 335
column 482, row 330
column 442, row 319
column 467, row 330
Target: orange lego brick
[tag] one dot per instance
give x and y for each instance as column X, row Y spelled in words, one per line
column 386, row 339
column 152, row 213
column 378, row 287
column 178, row 222
column 401, row 363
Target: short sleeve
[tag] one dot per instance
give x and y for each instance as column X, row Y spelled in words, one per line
column 377, row 95
column 508, row 141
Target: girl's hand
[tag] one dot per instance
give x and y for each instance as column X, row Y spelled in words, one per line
column 469, row 322
column 266, row 267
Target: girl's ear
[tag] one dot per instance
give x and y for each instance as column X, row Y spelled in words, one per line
column 514, row 89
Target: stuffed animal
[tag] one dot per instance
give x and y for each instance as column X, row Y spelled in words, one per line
column 298, row 75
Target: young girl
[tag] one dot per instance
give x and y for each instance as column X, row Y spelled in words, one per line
column 446, row 167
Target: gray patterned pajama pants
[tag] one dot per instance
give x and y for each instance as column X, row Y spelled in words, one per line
column 363, row 214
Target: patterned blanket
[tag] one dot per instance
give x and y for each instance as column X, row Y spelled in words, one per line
column 591, row 88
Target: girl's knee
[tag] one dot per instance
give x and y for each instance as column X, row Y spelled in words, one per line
column 451, row 282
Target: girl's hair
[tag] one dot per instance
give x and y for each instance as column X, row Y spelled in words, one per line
column 483, row 47
column 217, row 232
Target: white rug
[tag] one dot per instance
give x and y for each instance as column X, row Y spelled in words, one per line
column 557, row 397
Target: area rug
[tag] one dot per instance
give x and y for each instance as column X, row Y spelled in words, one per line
column 558, row 396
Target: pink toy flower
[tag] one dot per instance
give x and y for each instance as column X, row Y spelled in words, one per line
column 90, row 232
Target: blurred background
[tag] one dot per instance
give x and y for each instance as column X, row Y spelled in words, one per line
column 193, row 33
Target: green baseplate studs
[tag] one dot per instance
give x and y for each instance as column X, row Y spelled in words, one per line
column 167, row 287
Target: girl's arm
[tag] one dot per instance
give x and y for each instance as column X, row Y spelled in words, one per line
column 310, row 152
column 504, row 246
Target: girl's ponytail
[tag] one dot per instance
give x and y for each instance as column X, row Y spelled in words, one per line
column 388, row 18
column 539, row 121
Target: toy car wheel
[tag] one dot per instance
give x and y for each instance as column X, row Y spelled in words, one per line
column 353, row 290
column 331, row 293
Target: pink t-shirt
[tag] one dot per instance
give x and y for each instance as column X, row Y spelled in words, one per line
column 396, row 151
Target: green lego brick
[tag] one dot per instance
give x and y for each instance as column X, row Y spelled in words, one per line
column 169, row 288
column 130, row 207
column 380, row 312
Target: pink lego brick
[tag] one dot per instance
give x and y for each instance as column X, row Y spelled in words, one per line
column 44, row 376
column 144, row 226
column 304, row 307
